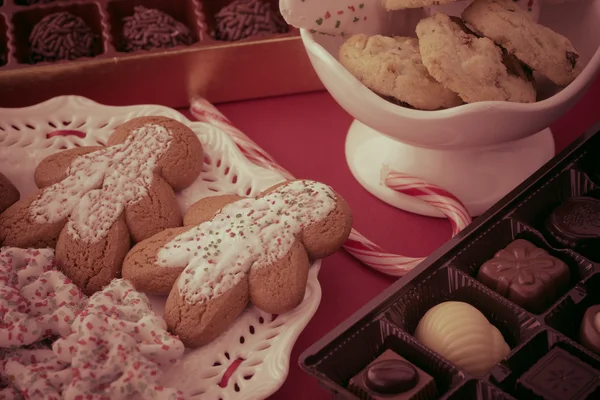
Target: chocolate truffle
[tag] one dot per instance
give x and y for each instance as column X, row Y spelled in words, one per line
column 589, row 333
column 462, row 334
column 150, row 29
column 576, row 223
column 559, row 376
column 245, row 18
column 526, row 275
column 391, row 377
column 61, row 36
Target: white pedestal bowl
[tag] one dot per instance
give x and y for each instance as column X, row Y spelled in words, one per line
column 478, row 152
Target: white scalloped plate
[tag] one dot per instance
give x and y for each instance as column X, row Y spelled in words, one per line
column 262, row 343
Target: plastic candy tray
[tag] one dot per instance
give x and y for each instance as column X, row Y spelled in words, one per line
column 389, row 321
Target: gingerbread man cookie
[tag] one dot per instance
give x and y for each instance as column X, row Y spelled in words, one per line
column 93, row 201
column 239, row 250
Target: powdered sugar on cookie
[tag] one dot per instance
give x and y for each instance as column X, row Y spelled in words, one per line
column 36, row 301
column 244, row 234
column 99, row 185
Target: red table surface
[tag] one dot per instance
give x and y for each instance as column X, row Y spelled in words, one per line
column 306, row 134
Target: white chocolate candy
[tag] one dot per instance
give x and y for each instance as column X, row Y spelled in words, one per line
column 463, row 335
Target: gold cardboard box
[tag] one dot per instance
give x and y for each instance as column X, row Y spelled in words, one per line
column 220, row 71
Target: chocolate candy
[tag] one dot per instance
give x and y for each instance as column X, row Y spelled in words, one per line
column 150, row 29
column 463, row 335
column 576, row 223
column 526, row 275
column 61, row 36
column 559, row 376
column 589, row 333
column 245, row 18
column 390, row 376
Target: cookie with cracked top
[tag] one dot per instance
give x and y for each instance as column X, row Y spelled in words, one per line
column 474, row 67
column 511, row 27
column 392, row 68
column 392, row 5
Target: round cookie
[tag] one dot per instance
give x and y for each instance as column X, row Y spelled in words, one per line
column 392, row 5
column 475, row 68
column 9, row 194
column 392, row 67
column 542, row 49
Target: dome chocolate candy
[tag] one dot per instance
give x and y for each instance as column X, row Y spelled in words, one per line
column 576, row 223
column 392, row 377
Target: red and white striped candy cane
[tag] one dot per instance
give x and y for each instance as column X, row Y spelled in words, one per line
column 357, row 245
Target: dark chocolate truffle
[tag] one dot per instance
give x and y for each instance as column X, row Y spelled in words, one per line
column 576, row 223
column 150, row 29
column 589, row 334
column 559, row 376
column 391, row 377
column 246, row 18
column 61, row 36
column 526, row 275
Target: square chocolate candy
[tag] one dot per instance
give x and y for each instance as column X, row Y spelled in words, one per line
column 560, row 376
column 527, row 275
column 391, row 377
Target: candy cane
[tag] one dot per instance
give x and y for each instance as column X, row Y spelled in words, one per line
column 357, row 245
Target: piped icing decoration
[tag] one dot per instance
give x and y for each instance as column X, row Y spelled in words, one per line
column 463, row 335
column 248, row 233
column 33, row 374
column 99, row 185
column 117, row 347
column 36, row 301
column 330, row 17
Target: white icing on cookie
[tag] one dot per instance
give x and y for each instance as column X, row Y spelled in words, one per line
column 101, row 184
column 218, row 253
column 35, row 374
column 36, row 301
column 117, row 346
column 332, row 17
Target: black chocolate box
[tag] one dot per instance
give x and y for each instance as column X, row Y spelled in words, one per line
column 554, row 347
